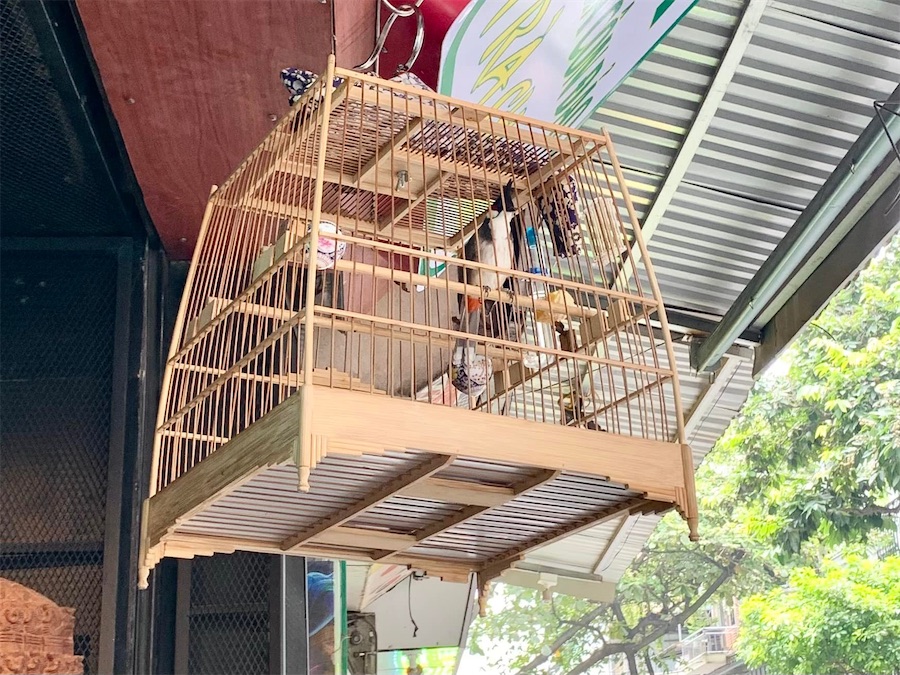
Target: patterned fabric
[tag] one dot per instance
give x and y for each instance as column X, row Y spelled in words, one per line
column 299, row 81
column 328, row 250
column 560, row 214
column 470, row 372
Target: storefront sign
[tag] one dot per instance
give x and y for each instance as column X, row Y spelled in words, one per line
column 553, row 60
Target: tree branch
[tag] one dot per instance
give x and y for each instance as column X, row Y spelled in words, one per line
column 561, row 639
column 694, row 552
column 632, row 663
column 617, row 611
column 871, row 511
column 661, row 627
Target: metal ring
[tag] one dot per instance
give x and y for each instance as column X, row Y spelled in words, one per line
column 417, row 44
column 403, row 10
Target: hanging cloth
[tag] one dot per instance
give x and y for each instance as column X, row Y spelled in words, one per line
column 560, row 213
column 470, row 372
column 298, row 81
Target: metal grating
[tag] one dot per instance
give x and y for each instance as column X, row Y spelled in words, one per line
column 878, row 18
column 800, row 97
column 56, row 356
column 229, row 615
column 649, row 114
column 53, row 183
column 699, row 225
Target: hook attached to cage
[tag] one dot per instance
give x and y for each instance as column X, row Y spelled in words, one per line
column 405, row 10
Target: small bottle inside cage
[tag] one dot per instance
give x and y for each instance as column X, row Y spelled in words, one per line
column 534, row 255
column 535, row 332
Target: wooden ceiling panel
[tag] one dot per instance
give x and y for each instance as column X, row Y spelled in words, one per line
column 194, row 85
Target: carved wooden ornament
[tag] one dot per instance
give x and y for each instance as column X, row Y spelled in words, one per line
column 35, row 633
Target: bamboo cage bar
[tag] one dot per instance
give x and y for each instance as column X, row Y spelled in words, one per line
column 451, row 279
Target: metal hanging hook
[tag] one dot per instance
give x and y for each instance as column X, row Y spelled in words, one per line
column 401, row 11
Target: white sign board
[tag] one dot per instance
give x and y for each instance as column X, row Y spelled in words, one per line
column 553, row 60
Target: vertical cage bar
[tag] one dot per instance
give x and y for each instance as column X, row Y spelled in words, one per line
column 177, row 338
column 304, row 442
column 687, row 461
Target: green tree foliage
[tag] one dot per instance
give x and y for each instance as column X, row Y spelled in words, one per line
column 844, row 620
column 815, row 453
column 812, row 461
column 664, row 588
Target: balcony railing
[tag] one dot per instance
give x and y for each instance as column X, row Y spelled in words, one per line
column 712, row 640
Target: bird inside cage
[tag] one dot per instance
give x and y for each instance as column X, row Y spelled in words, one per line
column 574, row 413
column 568, row 338
column 497, row 243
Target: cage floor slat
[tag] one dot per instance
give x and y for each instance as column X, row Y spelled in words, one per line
column 255, row 473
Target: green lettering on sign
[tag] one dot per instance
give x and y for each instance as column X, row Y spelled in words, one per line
column 587, row 60
column 660, row 10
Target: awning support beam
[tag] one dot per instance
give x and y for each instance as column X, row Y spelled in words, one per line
column 731, row 59
column 863, row 158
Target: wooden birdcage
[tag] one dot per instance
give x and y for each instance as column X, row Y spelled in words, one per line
column 316, row 404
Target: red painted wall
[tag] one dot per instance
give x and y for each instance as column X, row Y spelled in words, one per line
column 193, row 85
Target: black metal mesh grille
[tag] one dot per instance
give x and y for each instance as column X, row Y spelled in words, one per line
column 52, row 183
column 57, row 317
column 229, row 620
